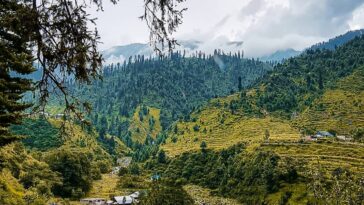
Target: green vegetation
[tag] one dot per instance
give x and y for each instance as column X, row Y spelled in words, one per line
column 75, row 168
column 39, row 134
column 233, row 173
column 174, row 85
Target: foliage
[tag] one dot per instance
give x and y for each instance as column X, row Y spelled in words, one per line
column 39, row 134
column 75, row 169
column 165, row 193
column 176, row 85
column 339, row 187
column 15, row 58
column 233, row 173
column 293, row 85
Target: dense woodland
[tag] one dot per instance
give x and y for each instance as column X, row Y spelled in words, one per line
column 176, row 85
column 293, row 85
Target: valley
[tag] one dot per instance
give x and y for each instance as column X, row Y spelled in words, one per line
column 200, row 129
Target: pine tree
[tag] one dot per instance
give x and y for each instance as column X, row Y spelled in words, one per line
column 15, row 60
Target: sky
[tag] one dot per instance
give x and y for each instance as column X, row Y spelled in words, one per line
column 264, row 26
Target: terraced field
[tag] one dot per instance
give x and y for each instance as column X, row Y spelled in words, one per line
column 221, row 129
column 329, row 155
column 340, row 109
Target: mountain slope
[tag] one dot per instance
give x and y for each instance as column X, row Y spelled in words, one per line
column 333, row 43
column 340, row 109
column 281, row 55
column 174, row 85
column 274, row 113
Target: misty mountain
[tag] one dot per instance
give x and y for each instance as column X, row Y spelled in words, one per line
column 281, row 55
column 338, row 41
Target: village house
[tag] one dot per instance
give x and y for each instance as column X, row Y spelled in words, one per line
column 344, row 138
column 323, row 134
column 123, row 200
column 59, row 116
column 93, row 201
column 124, row 161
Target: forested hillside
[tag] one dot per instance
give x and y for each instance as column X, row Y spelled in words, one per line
column 175, row 85
column 340, row 40
column 318, row 90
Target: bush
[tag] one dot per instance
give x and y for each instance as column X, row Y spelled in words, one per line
column 76, row 170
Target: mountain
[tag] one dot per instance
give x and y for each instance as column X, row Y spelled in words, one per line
column 280, row 55
column 317, row 90
column 338, row 41
column 119, row 54
column 170, row 87
column 233, row 144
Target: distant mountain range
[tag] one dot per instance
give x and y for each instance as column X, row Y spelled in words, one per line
column 120, row 53
column 338, row 41
column 281, row 55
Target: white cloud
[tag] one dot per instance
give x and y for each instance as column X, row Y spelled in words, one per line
column 264, row 25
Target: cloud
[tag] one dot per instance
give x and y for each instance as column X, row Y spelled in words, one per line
column 264, row 25
column 269, row 25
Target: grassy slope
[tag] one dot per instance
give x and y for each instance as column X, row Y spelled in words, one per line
column 204, row 196
column 219, row 128
column 340, row 109
column 140, row 129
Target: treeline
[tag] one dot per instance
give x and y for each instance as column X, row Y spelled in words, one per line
column 293, row 85
column 233, row 173
column 174, row 84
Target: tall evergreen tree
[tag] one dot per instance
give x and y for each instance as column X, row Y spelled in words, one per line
column 15, row 59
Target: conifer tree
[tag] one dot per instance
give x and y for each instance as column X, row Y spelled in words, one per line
column 15, row 60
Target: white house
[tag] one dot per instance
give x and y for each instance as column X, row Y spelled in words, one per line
column 93, row 201
column 123, row 200
column 135, row 195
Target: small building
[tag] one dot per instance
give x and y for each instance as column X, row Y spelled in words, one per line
column 135, row 195
column 93, row 201
column 155, row 177
column 123, row 200
column 59, row 116
column 344, row 138
column 124, row 161
column 115, row 170
column 322, row 134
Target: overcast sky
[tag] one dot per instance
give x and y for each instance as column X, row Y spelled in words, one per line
column 264, row 25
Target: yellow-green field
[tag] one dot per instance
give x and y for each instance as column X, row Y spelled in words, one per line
column 340, row 109
column 234, row 129
column 140, row 129
column 203, row 196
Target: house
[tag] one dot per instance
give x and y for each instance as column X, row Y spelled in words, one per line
column 93, row 201
column 59, row 116
column 135, row 195
column 123, row 200
column 155, row 177
column 115, row 170
column 344, row 138
column 124, row 161
column 322, row 134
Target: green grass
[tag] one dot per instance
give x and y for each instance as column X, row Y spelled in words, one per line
column 140, row 129
column 340, row 109
column 221, row 129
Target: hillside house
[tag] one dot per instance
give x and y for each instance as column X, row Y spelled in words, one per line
column 93, row 201
column 123, row 200
column 124, row 161
column 344, row 138
column 323, row 134
column 155, row 177
column 135, row 195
